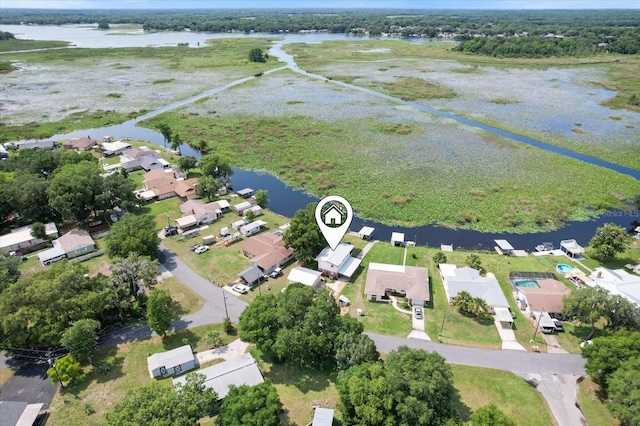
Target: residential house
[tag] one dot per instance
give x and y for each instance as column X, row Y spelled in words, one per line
column 252, row 228
column 245, row 193
column 238, row 371
column 201, row 212
column 161, row 184
column 245, row 205
column 572, row 248
column 255, row 211
column 171, row 363
column 338, row 262
column 548, row 297
column 411, row 282
column 31, row 144
column 267, row 251
column 114, row 148
column 618, row 282
column 305, row 276
column 487, row 288
column 80, row 144
column 21, row 241
column 142, row 158
column 72, row 244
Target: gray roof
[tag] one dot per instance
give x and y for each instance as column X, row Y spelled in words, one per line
column 335, row 257
column 169, row 359
column 251, row 274
column 242, row 370
column 504, row 245
column 469, row 280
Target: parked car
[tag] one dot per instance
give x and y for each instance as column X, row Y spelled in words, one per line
column 276, row 273
column 201, row 249
column 418, row 312
column 558, row 324
column 170, row 230
column 240, row 288
column 193, row 247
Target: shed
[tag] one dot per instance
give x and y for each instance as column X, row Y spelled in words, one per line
column 252, row 228
column 251, row 275
column 175, row 361
column 187, row 222
column 503, row 247
column 256, row 210
column 208, row 239
column 365, row 232
column 241, row 207
column 237, row 224
column 397, row 238
column 305, row 276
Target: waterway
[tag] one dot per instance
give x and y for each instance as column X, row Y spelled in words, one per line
column 286, row 200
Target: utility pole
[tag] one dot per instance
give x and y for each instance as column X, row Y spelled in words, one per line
column 52, row 363
column 442, row 326
column 533, row 339
column 224, row 297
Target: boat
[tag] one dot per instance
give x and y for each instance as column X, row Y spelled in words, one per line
column 545, row 247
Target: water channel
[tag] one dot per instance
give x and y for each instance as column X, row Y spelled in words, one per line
column 286, row 200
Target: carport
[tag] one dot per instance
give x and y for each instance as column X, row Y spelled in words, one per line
column 504, row 316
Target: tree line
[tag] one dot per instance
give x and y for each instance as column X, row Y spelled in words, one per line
column 586, row 29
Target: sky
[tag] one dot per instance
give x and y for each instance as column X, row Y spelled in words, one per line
column 346, row 4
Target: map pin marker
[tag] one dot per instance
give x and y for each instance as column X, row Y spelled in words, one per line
column 334, row 215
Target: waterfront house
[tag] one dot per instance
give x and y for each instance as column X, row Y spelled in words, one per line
column 267, row 251
column 339, row 262
column 384, row 279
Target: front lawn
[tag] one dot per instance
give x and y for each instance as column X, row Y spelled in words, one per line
column 592, row 405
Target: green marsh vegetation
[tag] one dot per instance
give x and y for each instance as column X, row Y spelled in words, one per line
column 614, row 72
column 12, row 45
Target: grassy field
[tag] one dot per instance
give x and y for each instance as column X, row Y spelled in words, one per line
column 329, row 57
column 17, row 45
column 97, row 393
column 517, row 399
column 592, row 406
column 481, row 180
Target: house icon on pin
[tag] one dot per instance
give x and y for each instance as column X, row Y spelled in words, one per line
column 333, row 216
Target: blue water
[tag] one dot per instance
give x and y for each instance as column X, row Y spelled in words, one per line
column 563, row 268
column 527, row 283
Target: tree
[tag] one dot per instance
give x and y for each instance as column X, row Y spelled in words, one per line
column 364, row 396
column 103, row 25
column 607, row 353
column 161, row 311
column 608, row 241
column 355, row 349
column 117, row 192
column 473, row 261
column 256, row 55
column 187, row 163
column 250, row 406
column 74, row 190
column 133, row 274
column 207, row 187
column 197, row 399
column 81, row 339
column 213, row 339
column 262, row 197
column 304, row 235
column 587, row 304
column 150, row 405
column 215, row 166
column 133, row 234
column 422, row 386
column 176, row 143
column 490, row 415
column 624, row 392
column 439, row 257
column 475, row 306
column 38, row 231
column 9, row 271
column 165, row 130
column 64, row 369
column 29, row 196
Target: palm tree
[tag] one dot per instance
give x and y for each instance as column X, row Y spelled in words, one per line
column 166, row 132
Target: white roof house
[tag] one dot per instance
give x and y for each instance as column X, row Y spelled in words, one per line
column 171, row 362
column 468, row 279
column 242, row 370
column 338, row 262
column 20, row 239
column 304, row 276
column 115, row 147
column 618, row 282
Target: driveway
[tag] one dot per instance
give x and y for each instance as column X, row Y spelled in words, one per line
column 29, row 384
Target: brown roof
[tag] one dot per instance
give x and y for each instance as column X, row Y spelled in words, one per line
column 548, row 296
column 198, row 208
column 158, row 178
column 75, row 239
column 134, row 153
column 184, row 188
column 414, row 281
column 80, row 143
column 266, row 250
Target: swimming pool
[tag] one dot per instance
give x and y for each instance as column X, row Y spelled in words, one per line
column 526, row 283
column 563, row 268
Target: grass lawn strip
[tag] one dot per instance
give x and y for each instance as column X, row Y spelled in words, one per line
column 592, row 406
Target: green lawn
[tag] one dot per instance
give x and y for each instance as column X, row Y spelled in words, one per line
column 129, row 371
column 593, row 407
column 517, row 399
column 6, row 374
column 188, row 301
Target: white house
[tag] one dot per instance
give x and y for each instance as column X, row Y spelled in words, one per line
column 338, row 262
column 618, row 282
column 468, row 279
column 203, row 213
column 20, row 239
column 240, row 208
column 242, row 370
column 305, row 276
column 114, row 148
column 252, row 228
column 170, row 363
